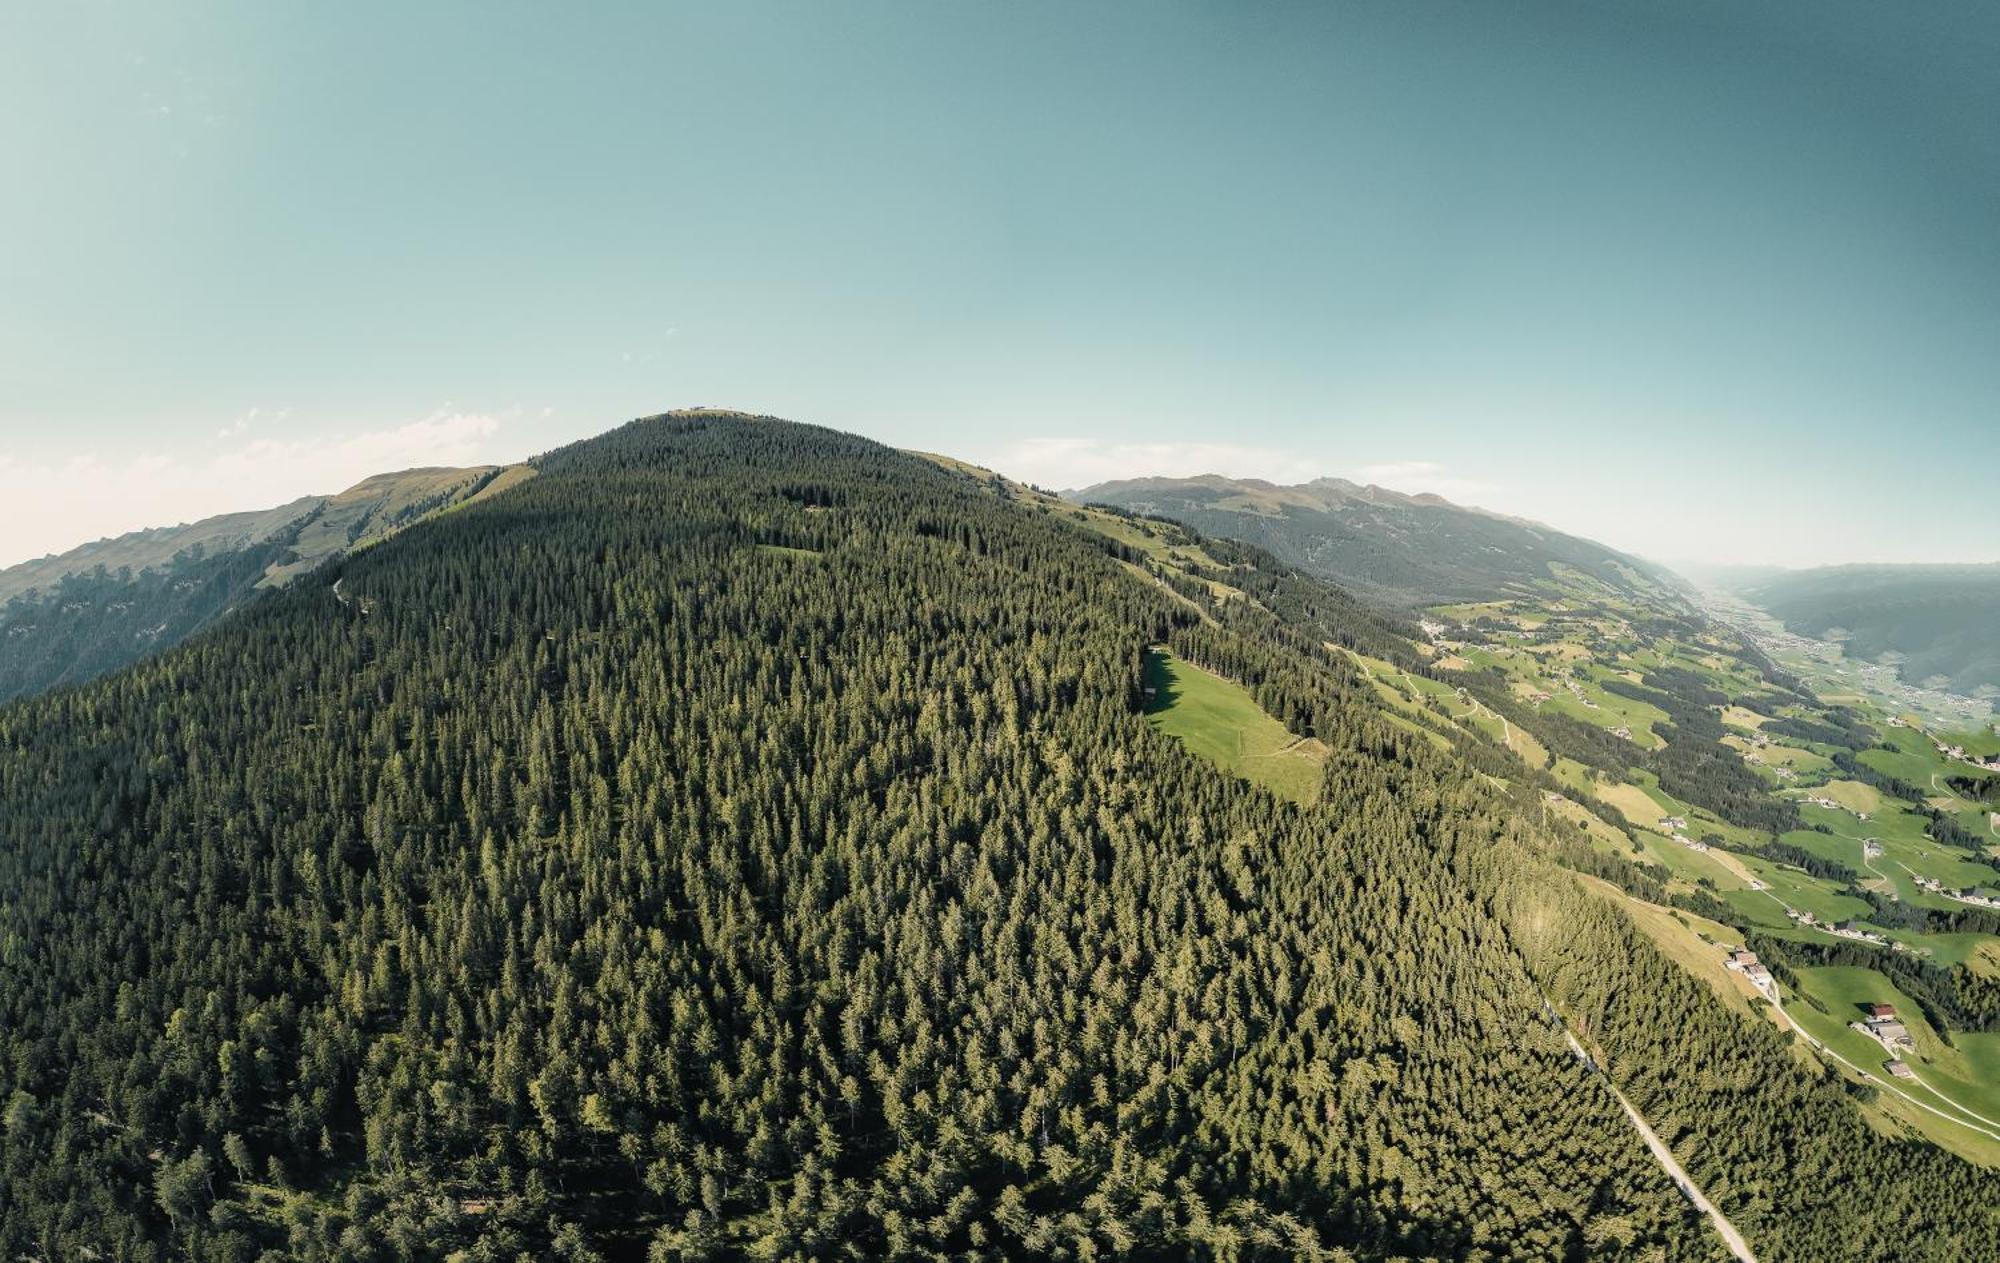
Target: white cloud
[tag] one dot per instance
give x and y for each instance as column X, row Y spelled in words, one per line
column 52, row 506
column 1068, row 463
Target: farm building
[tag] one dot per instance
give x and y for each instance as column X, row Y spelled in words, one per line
column 1881, row 1012
column 1901, row 1069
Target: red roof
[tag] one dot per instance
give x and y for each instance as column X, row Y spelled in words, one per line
column 1881, row 1010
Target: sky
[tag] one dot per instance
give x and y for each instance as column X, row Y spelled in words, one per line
column 1709, row 280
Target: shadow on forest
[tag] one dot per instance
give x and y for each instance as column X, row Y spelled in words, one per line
column 1159, row 692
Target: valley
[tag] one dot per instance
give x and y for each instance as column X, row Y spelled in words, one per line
column 1719, row 783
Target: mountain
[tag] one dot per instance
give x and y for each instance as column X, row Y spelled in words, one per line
column 1400, row 550
column 744, row 840
column 69, row 617
column 1935, row 622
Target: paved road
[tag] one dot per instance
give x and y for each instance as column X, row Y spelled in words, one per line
column 1665, row 1157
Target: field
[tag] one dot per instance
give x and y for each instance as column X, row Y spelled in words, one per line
column 1220, row 721
column 1959, row 1077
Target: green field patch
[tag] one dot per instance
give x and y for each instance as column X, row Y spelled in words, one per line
column 1912, row 757
column 1984, row 742
column 1219, row 720
column 1416, row 729
column 1805, row 892
column 1635, row 803
column 1738, row 717
column 1575, row 775
column 1963, row 1075
column 1806, row 763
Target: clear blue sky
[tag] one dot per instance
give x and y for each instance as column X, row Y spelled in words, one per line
column 1705, row 279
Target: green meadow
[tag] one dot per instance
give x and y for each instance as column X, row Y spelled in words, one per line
column 1219, row 720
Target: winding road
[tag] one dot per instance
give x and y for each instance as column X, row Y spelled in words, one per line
column 1988, row 1129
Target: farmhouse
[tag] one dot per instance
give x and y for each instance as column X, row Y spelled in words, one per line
column 1882, row 1012
column 1892, row 1034
column 1901, row 1069
column 1740, row 959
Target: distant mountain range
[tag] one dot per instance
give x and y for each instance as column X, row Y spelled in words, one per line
column 72, row 616
column 1400, row 550
column 1941, row 623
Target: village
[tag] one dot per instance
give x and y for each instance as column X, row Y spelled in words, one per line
column 1932, row 885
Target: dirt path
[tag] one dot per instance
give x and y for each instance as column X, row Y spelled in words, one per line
column 1665, row 1157
column 338, row 595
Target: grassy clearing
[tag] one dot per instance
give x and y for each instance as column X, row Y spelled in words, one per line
column 1738, row 717
column 1636, row 804
column 1220, row 721
column 1853, row 795
column 1962, row 1075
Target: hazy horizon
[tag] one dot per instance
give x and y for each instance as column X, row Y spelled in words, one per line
column 1718, row 283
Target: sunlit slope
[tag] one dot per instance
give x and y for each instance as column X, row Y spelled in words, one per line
column 68, row 618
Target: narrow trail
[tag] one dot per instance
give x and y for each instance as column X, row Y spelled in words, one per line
column 340, row 596
column 1665, row 1157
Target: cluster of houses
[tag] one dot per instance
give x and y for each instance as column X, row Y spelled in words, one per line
column 1744, row 961
column 1933, row 886
column 1845, row 929
column 1821, row 800
column 1990, row 762
column 1881, row 1025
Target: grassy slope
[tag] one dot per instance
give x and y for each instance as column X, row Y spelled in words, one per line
column 1220, row 721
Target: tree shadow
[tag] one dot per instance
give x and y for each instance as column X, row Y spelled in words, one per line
column 1158, row 689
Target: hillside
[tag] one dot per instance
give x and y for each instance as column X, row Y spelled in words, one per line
column 745, row 840
column 1718, row 772
column 1399, row 550
column 70, row 617
column 1935, row 623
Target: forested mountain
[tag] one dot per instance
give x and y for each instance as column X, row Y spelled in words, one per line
column 1400, row 550
column 73, row 616
column 744, row 840
column 1938, row 622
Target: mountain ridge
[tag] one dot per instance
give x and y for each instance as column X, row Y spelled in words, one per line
column 1398, row 548
column 69, row 616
